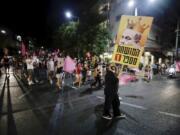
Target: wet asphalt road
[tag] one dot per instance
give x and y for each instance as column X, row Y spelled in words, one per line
column 151, row 108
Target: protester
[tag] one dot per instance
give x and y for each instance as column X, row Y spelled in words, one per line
column 30, row 67
column 164, row 67
column 84, row 73
column 147, row 73
column 6, row 64
column 36, row 68
column 97, row 77
column 50, row 69
column 59, row 71
column 111, row 94
column 78, row 72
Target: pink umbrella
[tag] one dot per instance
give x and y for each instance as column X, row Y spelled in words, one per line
column 69, row 65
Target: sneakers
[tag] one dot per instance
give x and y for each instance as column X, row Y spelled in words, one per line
column 108, row 117
column 120, row 116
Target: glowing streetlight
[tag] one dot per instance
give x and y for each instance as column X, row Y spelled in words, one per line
column 68, row 14
column 3, row 31
column 151, row 1
column 131, row 3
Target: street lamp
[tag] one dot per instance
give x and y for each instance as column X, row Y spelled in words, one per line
column 151, row 1
column 132, row 4
column 3, row 31
column 68, row 14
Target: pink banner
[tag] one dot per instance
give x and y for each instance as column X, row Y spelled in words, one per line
column 125, row 79
column 69, row 65
column 177, row 66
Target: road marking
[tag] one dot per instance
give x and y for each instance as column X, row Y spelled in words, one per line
column 123, row 132
column 127, row 104
column 100, row 97
column 170, row 114
column 74, row 87
column 56, row 119
column 133, row 105
column 25, row 94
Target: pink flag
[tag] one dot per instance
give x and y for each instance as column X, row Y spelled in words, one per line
column 124, row 79
column 177, row 66
column 69, row 65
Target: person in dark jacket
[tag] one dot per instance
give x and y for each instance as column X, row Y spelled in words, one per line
column 111, row 94
column 6, row 64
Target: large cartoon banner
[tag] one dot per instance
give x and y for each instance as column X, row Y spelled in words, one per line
column 131, row 38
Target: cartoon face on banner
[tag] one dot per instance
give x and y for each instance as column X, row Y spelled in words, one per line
column 134, row 31
column 131, row 37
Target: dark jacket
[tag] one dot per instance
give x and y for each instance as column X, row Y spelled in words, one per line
column 111, row 83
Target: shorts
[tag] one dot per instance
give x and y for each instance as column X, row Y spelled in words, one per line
column 59, row 75
column 78, row 75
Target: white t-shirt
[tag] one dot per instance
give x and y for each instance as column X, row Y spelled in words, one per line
column 29, row 63
column 50, row 65
column 36, row 60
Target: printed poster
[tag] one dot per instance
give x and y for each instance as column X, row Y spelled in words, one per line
column 131, row 38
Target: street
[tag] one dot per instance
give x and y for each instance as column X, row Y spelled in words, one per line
column 61, row 62
column 151, row 109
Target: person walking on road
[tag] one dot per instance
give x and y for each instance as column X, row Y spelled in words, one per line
column 30, row 69
column 6, row 64
column 50, row 68
column 59, row 71
column 97, row 77
column 111, row 94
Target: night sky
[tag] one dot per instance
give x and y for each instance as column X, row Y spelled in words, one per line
column 35, row 18
column 38, row 18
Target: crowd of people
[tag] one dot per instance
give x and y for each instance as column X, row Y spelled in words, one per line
column 42, row 65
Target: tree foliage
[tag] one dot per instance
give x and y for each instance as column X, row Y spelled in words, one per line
column 88, row 35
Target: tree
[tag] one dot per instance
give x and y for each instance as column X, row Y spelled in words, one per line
column 65, row 37
column 79, row 38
